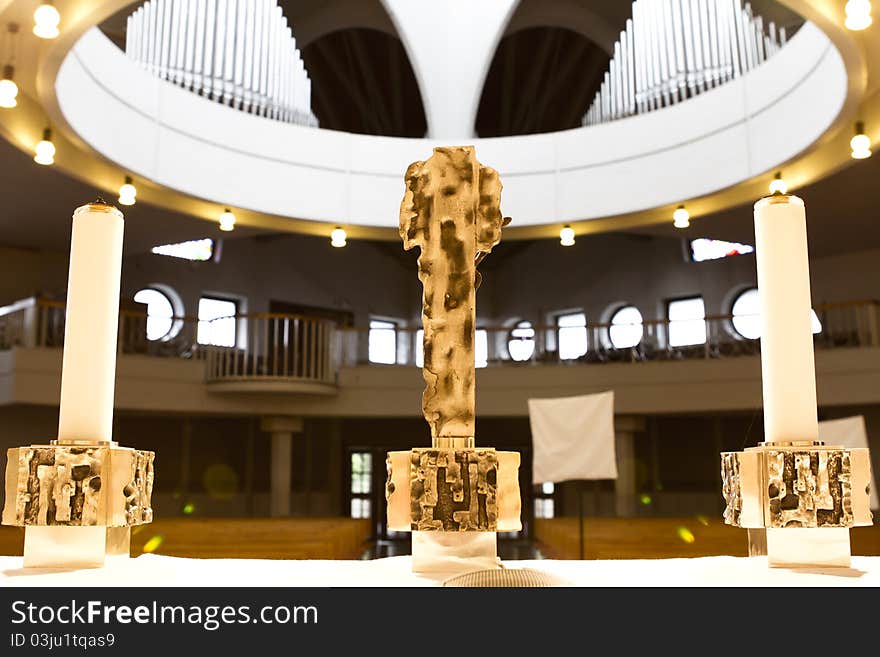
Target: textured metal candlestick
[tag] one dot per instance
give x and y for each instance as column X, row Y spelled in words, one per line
column 796, row 496
column 454, row 497
column 78, row 497
column 805, row 494
column 77, row 503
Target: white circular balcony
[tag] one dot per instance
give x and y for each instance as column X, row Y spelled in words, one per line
column 711, row 151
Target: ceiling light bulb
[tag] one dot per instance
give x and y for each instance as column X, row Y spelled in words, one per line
column 778, row 185
column 46, row 19
column 858, row 14
column 337, row 238
column 681, row 218
column 44, row 151
column 860, row 143
column 8, row 89
column 227, row 220
column 127, row 192
column 566, row 236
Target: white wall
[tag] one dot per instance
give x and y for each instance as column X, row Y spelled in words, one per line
column 365, row 278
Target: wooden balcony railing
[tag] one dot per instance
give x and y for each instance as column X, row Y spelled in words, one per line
column 274, row 347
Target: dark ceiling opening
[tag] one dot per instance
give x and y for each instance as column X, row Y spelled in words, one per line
column 541, row 79
column 362, row 82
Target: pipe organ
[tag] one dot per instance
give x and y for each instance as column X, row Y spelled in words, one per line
column 241, row 53
column 672, row 50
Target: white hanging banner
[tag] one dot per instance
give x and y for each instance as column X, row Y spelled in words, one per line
column 849, row 432
column 573, row 438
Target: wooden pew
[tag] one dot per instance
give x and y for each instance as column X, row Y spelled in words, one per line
column 661, row 538
column 243, row 538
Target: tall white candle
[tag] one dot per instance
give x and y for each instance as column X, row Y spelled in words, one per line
column 89, row 366
column 787, row 365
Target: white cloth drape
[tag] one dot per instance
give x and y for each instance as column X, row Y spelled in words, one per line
column 573, row 438
column 849, row 432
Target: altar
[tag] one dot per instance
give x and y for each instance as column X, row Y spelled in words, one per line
column 150, row 570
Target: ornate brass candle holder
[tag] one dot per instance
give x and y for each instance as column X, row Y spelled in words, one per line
column 798, row 500
column 453, row 496
column 77, row 503
column 77, row 497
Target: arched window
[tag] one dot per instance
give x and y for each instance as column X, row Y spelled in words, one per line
column 160, row 313
column 746, row 312
column 626, row 328
column 521, row 341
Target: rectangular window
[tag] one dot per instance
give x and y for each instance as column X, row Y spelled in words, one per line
column 420, row 348
column 544, row 502
column 571, row 335
column 481, row 348
column 360, row 507
column 217, row 321
column 687, row 322
column 383, row 342
column 361, row 484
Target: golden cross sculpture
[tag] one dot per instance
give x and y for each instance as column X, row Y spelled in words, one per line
column 452, row 211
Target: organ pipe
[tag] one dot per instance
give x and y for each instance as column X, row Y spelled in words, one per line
column 672, row 50
column 241, row 53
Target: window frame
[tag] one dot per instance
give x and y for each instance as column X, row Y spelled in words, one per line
column 510, row 338
column 176, row 323
column 669, row 321
column 731, row 327
column 396, row 323
column 558, row 330
column 730, row 322
column 365, row 497
column 238, row 334
column 540, row 498
column 610, row 324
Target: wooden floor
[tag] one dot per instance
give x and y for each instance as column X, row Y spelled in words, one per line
column 343, row 538
column 661, row 538
column 242, row 538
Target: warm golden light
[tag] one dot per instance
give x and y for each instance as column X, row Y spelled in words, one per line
column 778, row 185
column 46, row 20
column 681, row 218
column 8, row 89
column 566, row 236
column 860, row 143
column 44, row 151
column 858, row 15
column 227, row 220
column 337, row 238
column 127, row 192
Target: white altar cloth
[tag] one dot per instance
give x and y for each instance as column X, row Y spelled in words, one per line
column 156, row 570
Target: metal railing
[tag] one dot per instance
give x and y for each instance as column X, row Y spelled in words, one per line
column 297, row 348
column 271, row 346
column 39, row 322
column 843, row 325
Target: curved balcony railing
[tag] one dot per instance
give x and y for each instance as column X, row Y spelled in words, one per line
column 272, row 348
column 672, row 50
